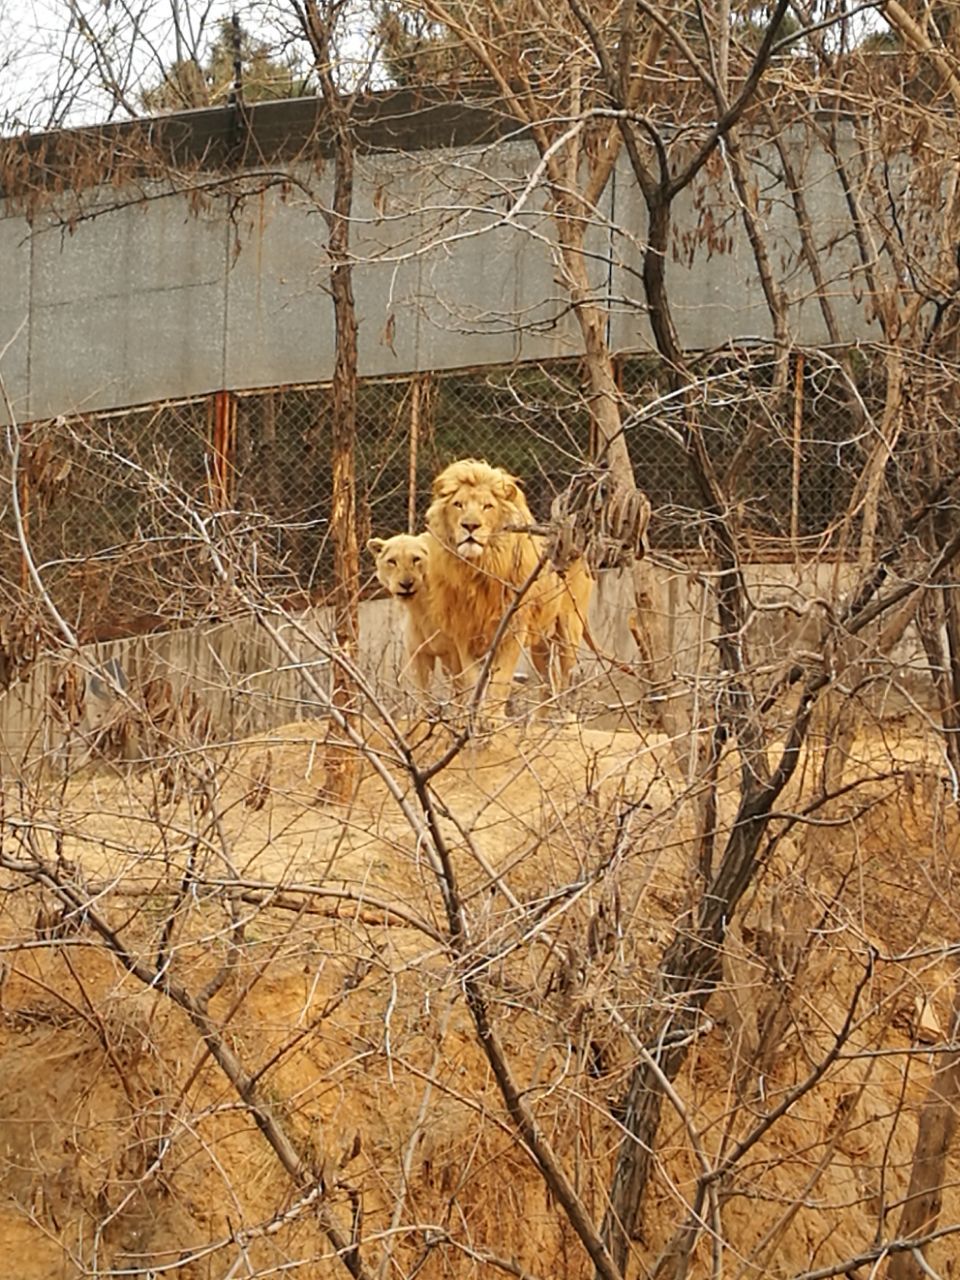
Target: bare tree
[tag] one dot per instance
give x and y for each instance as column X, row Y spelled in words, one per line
column 665, row 161
column 321, row 24
column 670, row 997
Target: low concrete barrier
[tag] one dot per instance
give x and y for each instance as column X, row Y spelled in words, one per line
column 243, row 682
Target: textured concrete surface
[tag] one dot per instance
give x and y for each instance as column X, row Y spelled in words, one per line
column 248, row 685
column 162, row 300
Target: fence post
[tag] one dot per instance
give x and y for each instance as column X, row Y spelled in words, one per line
column 23, row 482
column 415, row 386
column 795, row 469
column 420, row 387
column 223, row 445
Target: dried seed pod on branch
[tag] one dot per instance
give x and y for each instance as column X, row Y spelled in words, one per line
column 600, row 516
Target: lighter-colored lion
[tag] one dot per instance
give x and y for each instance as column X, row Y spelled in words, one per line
column 478, row 565
column 401, row 563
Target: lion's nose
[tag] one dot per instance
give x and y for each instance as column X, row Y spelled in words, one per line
column 406, row 584
column 470, row 525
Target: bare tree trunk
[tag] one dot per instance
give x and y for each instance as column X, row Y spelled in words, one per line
column 938, row 1124
column 318, row 22
column 775, row 299
column 939, row 613
column 690, row 968
column 268, row 453
column 601, row 377
column 340, row 764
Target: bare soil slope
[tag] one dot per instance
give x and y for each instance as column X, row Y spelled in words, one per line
column 321, row 937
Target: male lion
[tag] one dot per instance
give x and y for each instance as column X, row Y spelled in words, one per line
column 478, row 564
column 402, row 568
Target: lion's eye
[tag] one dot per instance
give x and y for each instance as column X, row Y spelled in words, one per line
column 392, row 564
column 416, row 559
column 488, row 506
column 458, row 505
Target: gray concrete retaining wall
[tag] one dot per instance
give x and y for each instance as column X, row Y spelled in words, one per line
column 161, row 300
column 248, row 685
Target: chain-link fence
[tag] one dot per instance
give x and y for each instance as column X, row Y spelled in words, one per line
column 530, row 419
column 110, row 503
column 102, row 501
column 783, row 437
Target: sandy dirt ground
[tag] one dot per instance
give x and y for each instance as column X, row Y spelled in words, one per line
column 126, row 1150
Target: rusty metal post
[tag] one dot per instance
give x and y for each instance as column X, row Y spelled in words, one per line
column 223, row 444
column 797, row 459
column 415, row 395
column 23, row 484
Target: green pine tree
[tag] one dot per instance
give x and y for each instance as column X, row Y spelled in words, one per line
column 264, row 76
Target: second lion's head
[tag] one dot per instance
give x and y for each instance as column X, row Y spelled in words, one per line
column 401, row 563
column 473, row 503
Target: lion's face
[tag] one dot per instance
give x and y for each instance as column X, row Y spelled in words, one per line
column 401, row 563
column 472, row 503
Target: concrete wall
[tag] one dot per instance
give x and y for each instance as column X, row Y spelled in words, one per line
column 247, row 684
column 160, row 299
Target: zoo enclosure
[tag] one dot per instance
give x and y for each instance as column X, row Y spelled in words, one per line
column 104, row 497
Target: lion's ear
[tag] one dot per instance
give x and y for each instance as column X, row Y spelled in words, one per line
column 509, row 489
column 375, row 546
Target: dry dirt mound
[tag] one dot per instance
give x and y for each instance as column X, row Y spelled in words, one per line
column 321, row 937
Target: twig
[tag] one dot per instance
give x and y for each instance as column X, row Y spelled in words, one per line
column 877, row 1253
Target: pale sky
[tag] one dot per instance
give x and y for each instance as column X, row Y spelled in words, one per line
column 75, row 62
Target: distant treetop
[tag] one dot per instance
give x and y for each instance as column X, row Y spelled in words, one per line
column 264, row 76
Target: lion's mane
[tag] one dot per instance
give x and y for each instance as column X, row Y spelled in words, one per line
column 471, row 593
column 471, row 596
